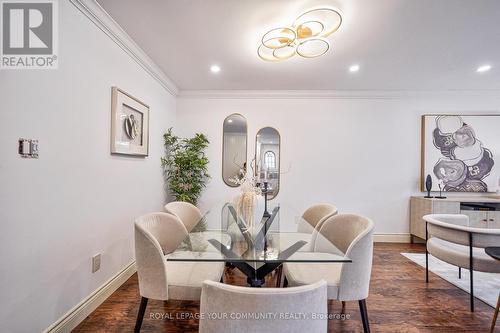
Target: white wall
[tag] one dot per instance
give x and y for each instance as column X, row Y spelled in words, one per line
column 76, row 200
column 362, row 154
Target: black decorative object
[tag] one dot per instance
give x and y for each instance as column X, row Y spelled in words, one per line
column 440, row 191
column 428, row 186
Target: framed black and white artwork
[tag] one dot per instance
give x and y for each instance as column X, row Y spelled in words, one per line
column 461, row 153
column 129, row 124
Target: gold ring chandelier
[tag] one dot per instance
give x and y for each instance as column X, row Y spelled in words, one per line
column 306, row 36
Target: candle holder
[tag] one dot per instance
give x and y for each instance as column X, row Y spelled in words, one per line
column 266, row 190
column 266, row 215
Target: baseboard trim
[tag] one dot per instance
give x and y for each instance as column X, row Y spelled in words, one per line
column 78, row 313
column 392, row 238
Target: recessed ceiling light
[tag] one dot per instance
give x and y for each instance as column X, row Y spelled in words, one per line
column 229, row 120
column 483, row 68
column 353, row 68
column 215, row 68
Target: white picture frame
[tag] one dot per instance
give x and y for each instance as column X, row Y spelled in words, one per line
column 129, row 124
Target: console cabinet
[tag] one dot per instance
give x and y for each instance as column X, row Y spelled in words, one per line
column 479, row 209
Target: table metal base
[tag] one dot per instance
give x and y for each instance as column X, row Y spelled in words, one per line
column 256, row 283
column 256, row 277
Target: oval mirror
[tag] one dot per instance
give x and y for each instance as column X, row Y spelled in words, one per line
column 267, row 159
column 234, row 149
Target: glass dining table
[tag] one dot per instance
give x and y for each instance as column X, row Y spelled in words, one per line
column 255, row 242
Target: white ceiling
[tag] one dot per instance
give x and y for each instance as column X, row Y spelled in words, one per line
column 399, row 44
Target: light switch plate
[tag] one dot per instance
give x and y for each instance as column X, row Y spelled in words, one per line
column 28, row 148
column 96, row 262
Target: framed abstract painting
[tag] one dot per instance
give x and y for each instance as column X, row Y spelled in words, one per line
column 129, row 124
column 461, row 153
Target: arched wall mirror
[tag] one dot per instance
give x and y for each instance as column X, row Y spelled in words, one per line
column 234, row 149
column 267, row 159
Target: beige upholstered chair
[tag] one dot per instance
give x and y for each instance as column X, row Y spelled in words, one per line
column 311, row 222
column 307, row 229
column 351, row 235
column 188, row 213
column 219, row 299
column 157, row 235
column 451, row 239
column 315, row 216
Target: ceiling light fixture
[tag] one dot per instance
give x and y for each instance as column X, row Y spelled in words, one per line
column 353, row 68
column 305, row 37
column 215, row 69
column 484, row 68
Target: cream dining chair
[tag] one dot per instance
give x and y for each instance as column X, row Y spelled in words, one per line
column 188, row 213
column 315, row 216
column 222, row 308
column 157, row 235
column 190, row 216
column 352, row 236
column 312, row 220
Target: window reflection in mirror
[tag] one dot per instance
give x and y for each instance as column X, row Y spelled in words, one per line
column 270, row 160
column 234, row 149
column 267, row 159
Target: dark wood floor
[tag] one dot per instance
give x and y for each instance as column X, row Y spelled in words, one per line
column 399, row 301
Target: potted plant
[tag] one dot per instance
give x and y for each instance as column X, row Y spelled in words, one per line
column 185, row 166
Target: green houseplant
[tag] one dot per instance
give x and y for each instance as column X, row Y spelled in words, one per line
column 185, row 165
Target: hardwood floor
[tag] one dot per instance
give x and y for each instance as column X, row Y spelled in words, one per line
column 399, row 301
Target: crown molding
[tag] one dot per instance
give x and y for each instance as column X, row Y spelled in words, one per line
column 333, row 94
column 105, row 22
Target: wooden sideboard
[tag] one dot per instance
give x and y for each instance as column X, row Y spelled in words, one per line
column 478, row 208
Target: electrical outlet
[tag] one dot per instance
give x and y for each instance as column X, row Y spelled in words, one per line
column 96, row 262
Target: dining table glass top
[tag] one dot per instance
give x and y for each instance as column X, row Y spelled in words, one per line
column 252, row 235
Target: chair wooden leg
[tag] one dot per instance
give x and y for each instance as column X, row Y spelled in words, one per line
column 343, row 308
column 459, row 272
column 471, row 272
column 364, row 315
column 140, row 314
column 279, row 272
column 495, row 316
column 285, row 283
column 426, row 255
column 426, row 266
